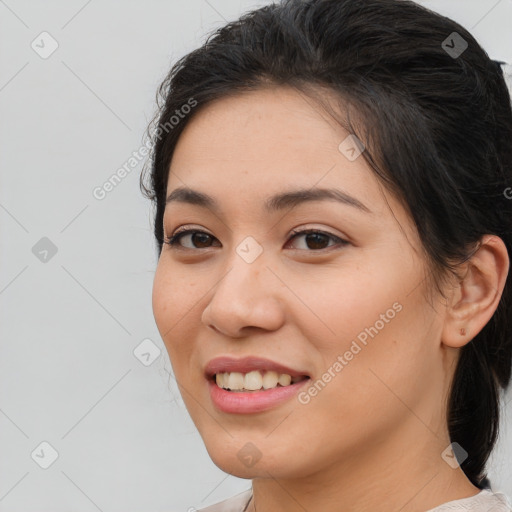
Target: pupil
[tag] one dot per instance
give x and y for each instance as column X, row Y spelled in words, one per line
column 204, row 236
column 316, row 236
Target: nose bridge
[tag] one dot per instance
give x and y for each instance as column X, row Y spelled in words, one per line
column 245, row 295
column 246, row 265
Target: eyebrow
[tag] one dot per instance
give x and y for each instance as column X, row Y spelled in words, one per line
column 275, row 203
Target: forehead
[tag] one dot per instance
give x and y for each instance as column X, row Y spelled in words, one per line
column 268, row 133
column 251, row 146
column 280, row 117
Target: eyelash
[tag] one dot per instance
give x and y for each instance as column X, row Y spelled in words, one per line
column 173, row 240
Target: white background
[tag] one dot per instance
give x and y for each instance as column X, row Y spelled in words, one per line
column 68, row 375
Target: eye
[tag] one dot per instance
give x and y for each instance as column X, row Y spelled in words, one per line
column 315, row 239
column 196, row 236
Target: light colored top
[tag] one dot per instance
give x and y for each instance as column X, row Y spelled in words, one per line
column 485, row 501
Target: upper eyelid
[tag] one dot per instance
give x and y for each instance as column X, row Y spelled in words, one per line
column 305, row 227
column 190, row 228
column 302, row 231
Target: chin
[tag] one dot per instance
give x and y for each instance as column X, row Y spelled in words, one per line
column 248, row 459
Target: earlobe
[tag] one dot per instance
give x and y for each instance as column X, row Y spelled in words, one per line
column 475, row 299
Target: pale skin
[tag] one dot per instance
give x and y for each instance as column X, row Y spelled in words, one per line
column 372, row 439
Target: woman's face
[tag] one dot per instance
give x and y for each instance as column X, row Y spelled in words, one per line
column 343, row 310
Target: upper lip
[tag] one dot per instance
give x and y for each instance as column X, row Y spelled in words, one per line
column 247, row 364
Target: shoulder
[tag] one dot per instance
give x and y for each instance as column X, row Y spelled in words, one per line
column 484, row 500
column 236, row 503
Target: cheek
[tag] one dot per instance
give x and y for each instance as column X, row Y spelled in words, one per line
column 378, row 328
column 162, row 300
column 173, row 302
column 346, row 306
column 385, row 367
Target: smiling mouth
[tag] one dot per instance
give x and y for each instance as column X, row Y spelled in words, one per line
column 255, row 380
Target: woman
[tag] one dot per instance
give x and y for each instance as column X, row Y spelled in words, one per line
column 333, row 217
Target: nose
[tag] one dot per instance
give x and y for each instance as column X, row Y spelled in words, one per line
column 247, row 297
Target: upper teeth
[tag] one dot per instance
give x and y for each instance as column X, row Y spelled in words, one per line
column 253, row 380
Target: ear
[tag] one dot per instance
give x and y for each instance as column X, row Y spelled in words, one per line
column 475, row 299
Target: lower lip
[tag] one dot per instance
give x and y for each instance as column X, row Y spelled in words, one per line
column 239, row 402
